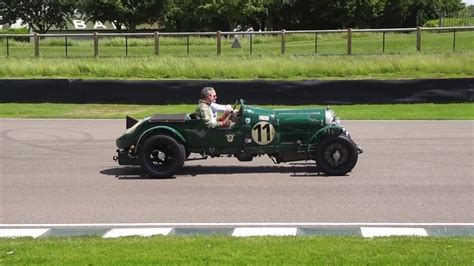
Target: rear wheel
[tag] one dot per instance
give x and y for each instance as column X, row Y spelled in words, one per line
column 336, row 155
column 161, row 156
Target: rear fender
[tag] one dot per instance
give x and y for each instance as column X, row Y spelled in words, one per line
column 165, row 130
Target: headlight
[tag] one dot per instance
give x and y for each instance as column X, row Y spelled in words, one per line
column 331, row 119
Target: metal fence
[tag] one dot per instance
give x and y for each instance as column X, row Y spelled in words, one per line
column 281, row 36
column 456, row 19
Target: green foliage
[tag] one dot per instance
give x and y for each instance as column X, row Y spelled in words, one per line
column 129, row 13
column 431, row 23
column 182, row 15
column 39, row 15
column 451, row 22
column 14, row 31
column 235, row 13
column 205, row 15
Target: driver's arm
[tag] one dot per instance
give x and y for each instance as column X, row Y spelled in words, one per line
column 220, row 107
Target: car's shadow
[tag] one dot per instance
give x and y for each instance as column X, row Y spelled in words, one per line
column 293, row 169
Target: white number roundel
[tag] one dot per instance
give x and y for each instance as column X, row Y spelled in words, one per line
column 263, row 133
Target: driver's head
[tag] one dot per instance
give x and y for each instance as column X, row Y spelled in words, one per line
column 209, row 94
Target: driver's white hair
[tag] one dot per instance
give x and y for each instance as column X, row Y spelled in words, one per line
column 206, row 91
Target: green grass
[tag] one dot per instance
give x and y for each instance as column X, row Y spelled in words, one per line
column 450, row 65
column 346, row 112
column 308, row 56
column 242, row 251
column 296, row 44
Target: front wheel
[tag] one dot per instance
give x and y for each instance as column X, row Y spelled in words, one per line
column 161, row 156
column 336, row 155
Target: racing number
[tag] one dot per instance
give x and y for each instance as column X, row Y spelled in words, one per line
column 263, row 133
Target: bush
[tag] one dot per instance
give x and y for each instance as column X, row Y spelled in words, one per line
column 14, row 31
column 431, row 23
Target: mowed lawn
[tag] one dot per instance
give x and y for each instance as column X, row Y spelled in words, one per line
column 457, row 111
column 218, row 250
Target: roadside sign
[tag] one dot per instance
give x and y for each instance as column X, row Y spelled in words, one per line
column 236, row 43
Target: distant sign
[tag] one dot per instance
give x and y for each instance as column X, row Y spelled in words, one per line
column 98, row 25
column 76, row 24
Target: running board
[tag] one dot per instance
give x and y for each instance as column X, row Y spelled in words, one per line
column 197, row 159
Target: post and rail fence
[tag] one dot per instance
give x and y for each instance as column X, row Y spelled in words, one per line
column 36, row 37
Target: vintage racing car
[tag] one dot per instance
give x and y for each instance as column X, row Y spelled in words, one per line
column 163, row 142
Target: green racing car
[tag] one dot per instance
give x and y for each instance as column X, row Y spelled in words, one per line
column 161, row 143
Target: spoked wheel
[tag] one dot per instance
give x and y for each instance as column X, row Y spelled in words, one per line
column 161, row 156
column 336, row 155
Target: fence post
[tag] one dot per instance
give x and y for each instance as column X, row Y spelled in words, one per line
column 8, row 49
column 251, row 42
column 383, row 42
column 218, row 40
column 187, row 44
column 454, row 41
column 157, row 43
column 96, row 44
column 316, row 43
column 65, row 44
column 349, row 41
column 283, row 33
column 126, row 45
column 36, row 38
column 418, row 39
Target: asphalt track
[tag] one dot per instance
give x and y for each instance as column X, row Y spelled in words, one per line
column 61, row 172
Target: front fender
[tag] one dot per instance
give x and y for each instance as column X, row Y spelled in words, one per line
column 326, row 131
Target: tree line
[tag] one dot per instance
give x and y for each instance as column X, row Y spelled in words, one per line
column 227, row 15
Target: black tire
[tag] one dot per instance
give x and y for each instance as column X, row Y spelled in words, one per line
column 336, row 155
column 161, row 156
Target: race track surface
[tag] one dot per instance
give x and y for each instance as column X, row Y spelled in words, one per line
column 61, row 171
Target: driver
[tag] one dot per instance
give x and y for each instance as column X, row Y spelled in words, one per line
column 207, row 108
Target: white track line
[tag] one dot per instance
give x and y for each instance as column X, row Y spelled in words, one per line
column 120, row 232
column 11, row 233
column 264, row 231
column 230, row 224
column 392, row 231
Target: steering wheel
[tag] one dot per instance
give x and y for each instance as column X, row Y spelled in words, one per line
column 235, row 105
column 232, row 114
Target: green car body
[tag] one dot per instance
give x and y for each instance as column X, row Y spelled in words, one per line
column 161, row 143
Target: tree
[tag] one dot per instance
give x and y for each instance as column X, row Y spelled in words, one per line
column 128, row 13
column 367, row 13
column 348, row 14
column 233, row 12
column 39, row 15
column 181, row 15
column 412, row 13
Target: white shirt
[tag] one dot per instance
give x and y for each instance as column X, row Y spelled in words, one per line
column 215, row 107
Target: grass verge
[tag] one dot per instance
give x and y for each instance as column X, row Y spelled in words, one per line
column 450, row 65
column 458, row 111
column 231, row 250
